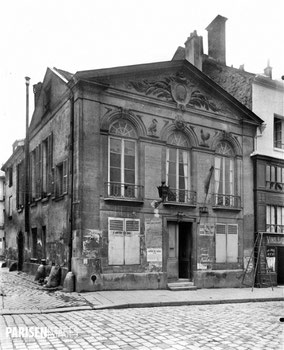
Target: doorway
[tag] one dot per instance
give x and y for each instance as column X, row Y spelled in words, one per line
column 179, row 264
column 280, row 266
column 20, row 243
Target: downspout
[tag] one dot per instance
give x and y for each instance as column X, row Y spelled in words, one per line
column 26, row 162
column 70, row 244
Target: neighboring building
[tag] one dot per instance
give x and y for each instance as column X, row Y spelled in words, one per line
column 14, row 225
column 265, row 97
column 2, row 199
column 102, row 141
column 268, row 103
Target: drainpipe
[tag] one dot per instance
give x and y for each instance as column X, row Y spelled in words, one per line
column 26, row 162
column 70, row 244
column 69, row 281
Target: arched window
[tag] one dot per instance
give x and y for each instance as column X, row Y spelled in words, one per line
column 178, row 167
column 122, row 174
column 224, row 174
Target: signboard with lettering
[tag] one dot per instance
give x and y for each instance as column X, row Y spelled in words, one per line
column 154, row 254
column 275, row 239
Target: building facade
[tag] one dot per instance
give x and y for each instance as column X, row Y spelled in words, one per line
column 13, row 200
column 268, row 103
column 142, row 175
column 2, row 207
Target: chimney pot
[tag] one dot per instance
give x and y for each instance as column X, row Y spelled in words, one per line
column 217, row 39
column 194, row 50
column 37, row 89
column 268, row 70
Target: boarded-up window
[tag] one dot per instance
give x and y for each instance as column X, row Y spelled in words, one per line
column 226, row 243
column 124, row 241
column 220, row 243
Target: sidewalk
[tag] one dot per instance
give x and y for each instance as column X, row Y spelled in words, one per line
column 19, row 294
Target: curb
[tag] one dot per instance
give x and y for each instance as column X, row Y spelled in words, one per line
column 186, row 303
column 138, row 305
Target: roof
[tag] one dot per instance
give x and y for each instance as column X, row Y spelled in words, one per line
column 210, row 77
column 235, row 81
column 67, row 75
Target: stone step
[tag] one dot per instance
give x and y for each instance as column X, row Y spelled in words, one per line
column 181, row 285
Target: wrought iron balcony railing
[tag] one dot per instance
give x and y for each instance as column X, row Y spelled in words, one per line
column 118, row 190
column 181, row 196
column 226, row 201
column 272, row 228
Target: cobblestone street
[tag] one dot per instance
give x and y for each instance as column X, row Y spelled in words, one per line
column 231, row 326
column 19, row 291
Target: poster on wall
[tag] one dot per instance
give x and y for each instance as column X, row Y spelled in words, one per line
column 206, row 230
column 153, row 232
column 154, row 254
column 270, row 258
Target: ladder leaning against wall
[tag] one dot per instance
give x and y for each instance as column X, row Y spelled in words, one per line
column 257, row 265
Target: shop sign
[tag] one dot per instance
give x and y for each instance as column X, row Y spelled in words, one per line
column 275, row 240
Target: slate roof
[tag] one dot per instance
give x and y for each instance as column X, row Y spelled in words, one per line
column 64, row 73
column 235, row 81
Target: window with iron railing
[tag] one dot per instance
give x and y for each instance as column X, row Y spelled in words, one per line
column 275, row 219
column 224, row 177
column 178, row 174
column 275, row 178
column 122, row 162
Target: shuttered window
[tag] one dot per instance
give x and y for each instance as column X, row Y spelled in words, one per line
column 226, row 243
column 124, row 241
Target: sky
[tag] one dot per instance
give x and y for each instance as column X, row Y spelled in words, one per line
column 92, row 34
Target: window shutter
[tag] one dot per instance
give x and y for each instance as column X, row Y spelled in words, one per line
column 50, row 163
column 40, row 171
column 116, row 241
column 232, row 243
column 132, row 241
column 220, row 243
column 65, row 177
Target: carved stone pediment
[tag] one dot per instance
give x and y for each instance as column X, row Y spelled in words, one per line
column 175, row 88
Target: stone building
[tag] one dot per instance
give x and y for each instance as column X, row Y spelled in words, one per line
column 2, row 207
column 268, row 103
column 265, row 97
column 13, row 200
column 141, row 175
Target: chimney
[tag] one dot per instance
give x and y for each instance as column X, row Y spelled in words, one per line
column 37, row 89
column 217, row 39
column 194, row 50
column 268, row 70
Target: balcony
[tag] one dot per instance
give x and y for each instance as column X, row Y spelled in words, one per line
column 272, row 228
column 181, row 197
column 124, row 192
column 226, row 201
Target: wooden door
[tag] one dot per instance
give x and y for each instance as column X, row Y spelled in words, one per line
column 172, row 264
column 184, row 250
column 280, row 266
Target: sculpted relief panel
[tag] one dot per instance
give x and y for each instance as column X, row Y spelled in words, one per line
column 175, row 88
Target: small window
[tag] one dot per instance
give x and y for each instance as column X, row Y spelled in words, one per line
column 10, row 207
column 10, row 176
column 20, row 195
column 61, row 178
column 278, row 132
